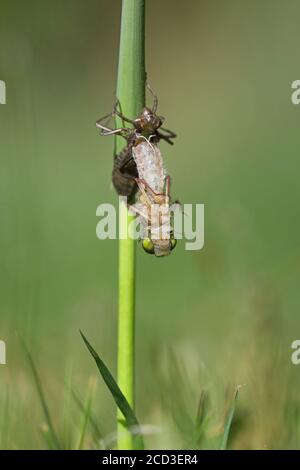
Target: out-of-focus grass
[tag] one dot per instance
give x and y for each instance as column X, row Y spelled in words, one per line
column 229, row 312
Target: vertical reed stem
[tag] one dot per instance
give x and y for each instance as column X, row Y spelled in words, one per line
column 131, row 93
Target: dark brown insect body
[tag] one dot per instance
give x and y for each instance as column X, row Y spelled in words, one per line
column 147, row 124
column 124, row 173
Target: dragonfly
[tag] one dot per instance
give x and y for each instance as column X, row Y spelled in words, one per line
column 153, row 204
column 146, row 124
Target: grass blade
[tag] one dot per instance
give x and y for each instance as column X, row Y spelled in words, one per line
column 130, row 419
column 4, row 430
column 67, row 426
column 97, row 434
column 201, row 418
column 38, row 384
column 86, row 416
column 228, row 422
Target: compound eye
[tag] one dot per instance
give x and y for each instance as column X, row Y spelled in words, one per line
column 148, row 246
column 173, row 242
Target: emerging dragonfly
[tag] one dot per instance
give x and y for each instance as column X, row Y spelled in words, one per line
column 146, row 124
column 153, row 206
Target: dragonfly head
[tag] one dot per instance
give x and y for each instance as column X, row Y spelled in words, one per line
column 148, row 122
column 159, row 247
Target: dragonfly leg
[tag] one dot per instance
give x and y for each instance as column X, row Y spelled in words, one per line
column 102, row 124
column 153, row 193
column 142, row 184
column 119, row 113
column 167, row 187
column 123, row 132
column 169, row 133
column 138, row 212
column 167, row 136
column 155, row 99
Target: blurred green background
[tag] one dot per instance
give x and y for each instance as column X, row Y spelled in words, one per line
column 211, row 319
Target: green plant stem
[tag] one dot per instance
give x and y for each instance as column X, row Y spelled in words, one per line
column 131, row 93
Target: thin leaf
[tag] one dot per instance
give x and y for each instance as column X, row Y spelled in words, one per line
column 120, row 400
column 5, row 421
column 228, row 422
column 42, row 398
column 86, row 417
column 201, row 418
column 47, row 436
column 67, row 433
column 97, row 434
